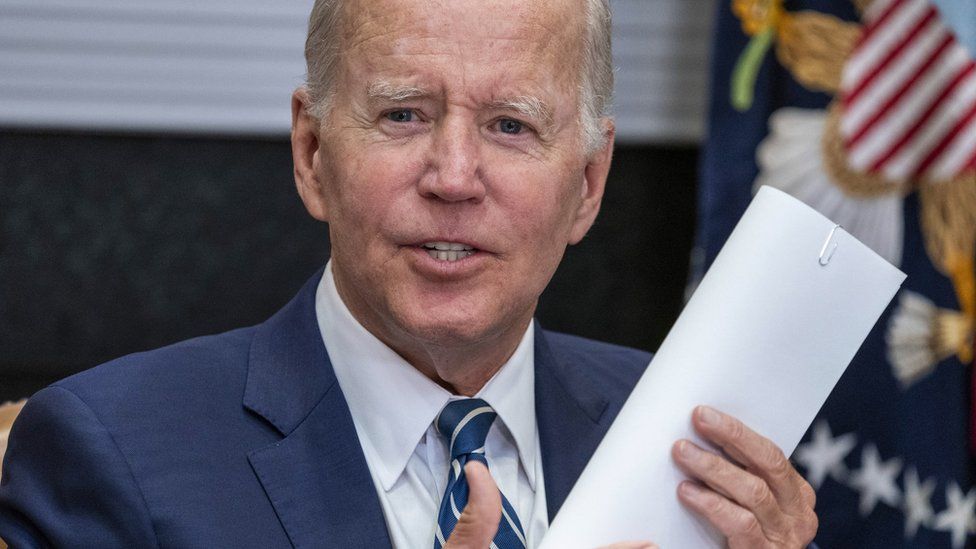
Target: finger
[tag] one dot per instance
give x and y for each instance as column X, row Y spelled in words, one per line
column 738, row 525
column 631, row 545
column 479, row 521
column 744, row 488
column 755, row 452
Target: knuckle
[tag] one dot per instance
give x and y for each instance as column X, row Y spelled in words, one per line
column 809, row 495
column 714, row 505
column 736, row 429
column 810, row 525
column 748, row 525
column 775, row 461
column 759, row 493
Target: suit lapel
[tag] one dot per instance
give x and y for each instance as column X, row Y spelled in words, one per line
column 316, row 477
column 572, row 420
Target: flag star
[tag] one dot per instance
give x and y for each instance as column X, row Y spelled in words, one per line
column 917, row 505
column 876, row 480
column 958, row 517
column 824, row 454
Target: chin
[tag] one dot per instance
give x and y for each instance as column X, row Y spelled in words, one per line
column 453, row 327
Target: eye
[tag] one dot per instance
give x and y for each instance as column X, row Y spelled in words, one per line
column 509, row 126
column 403, row 115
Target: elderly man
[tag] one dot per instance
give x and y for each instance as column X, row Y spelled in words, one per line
column 454, row 149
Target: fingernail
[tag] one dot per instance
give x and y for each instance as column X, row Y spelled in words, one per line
column 708, row 415
column 688, row 450
column 690, row 489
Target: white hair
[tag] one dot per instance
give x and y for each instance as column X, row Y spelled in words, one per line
column 596, row 78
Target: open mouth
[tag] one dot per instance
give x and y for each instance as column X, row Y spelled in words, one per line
column 448, row 251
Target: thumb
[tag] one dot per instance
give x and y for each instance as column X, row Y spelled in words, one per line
column 479, row 521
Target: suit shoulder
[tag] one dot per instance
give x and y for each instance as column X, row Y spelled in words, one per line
column 568, row 343
column 602, row 361
column 173, row 368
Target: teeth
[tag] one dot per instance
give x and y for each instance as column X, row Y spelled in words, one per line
column 447, row 246
column 449, row 255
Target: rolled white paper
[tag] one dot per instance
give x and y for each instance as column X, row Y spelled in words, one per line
column 765, row 337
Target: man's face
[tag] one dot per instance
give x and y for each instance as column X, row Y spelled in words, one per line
column 450, row 167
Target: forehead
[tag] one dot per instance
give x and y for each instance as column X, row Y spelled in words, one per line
column 472, row 37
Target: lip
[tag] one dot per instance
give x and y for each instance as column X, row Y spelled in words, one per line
column 437, row 269
column 469, row 243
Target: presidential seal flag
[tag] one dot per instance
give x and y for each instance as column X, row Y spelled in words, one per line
column 866, row 111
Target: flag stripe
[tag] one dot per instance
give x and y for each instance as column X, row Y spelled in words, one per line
column 879, row 39
column 906, row 93
column 922, row 117
column 880, row 10
column 888, row 82
column 884, row 132
column 906, row 86
column 936, row 126
column 947, row 139
column 958, row 153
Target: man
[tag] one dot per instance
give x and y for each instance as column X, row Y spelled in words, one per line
column 455, row 149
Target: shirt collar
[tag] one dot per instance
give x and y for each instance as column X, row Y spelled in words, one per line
column 393, row 404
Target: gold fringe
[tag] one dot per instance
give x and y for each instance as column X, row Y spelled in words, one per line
column 952, row 334
column 853, row 183
column 948, row 217
column 814, row 47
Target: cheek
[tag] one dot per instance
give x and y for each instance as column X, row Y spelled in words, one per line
column 543, row 205
column 370, row 188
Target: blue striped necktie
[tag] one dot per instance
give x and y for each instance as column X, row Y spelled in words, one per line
column 465, row 424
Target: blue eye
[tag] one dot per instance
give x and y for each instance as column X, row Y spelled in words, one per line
column 404, row 115
column 510, row 126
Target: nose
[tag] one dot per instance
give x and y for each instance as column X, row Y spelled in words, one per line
column 456, row 167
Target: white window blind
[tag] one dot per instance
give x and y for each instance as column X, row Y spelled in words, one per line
column 228, row 66
column 661, row 50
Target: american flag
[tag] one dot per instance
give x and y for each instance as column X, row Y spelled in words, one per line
column 908, row 95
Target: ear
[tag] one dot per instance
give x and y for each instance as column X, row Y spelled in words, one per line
column 594, row 182
column 305, row 132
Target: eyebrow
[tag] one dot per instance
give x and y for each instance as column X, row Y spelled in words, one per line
column 384, row 90
column 526, row 105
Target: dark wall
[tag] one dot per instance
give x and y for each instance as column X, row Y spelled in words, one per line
column 115, row 244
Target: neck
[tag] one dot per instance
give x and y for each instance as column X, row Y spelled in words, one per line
column 463, row 370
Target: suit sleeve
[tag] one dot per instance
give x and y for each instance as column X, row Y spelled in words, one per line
column 65, row 481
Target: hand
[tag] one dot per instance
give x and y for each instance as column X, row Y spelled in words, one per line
column 479, row 520
column 754, row 497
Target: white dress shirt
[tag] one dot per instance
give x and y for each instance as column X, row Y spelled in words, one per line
column 393, row 407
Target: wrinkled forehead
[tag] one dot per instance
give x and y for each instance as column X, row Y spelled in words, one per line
column 542, row 34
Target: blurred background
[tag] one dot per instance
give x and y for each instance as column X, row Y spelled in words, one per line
column 146, row 197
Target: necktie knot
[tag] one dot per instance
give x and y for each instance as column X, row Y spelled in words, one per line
column 465, row 424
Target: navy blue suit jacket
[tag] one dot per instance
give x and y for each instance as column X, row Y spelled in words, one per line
column 244, row 439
